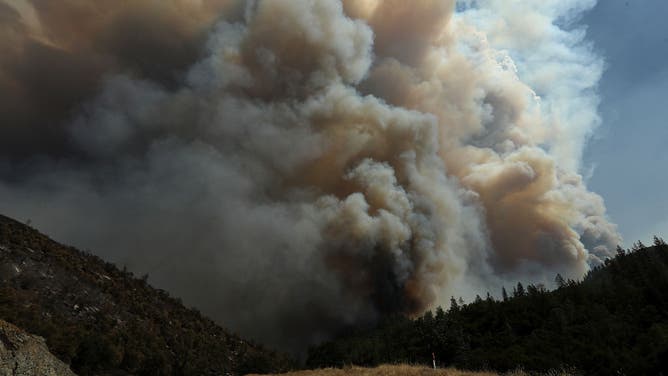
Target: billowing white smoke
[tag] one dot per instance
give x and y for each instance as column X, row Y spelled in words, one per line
column 324, row 163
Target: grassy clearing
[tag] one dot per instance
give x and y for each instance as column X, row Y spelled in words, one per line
column 388, row 370
column 409, row 370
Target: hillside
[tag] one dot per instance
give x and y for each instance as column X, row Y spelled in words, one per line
column 614, row 321
column 102, row 320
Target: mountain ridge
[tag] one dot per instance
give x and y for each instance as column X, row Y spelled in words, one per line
column 613, row 321
column 100, row 319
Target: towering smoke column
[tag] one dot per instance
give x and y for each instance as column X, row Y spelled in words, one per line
column 307, row 165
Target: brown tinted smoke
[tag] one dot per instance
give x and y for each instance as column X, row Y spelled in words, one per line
column 295, row 167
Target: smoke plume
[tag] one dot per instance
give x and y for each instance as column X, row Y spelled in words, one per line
column 295, row 167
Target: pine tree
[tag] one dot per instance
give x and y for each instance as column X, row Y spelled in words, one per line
column 428, row 317
column 454, row 307
column 620, row 251
column 560, row 281
column 440, row 313
column 638, row 246
column 504, row 294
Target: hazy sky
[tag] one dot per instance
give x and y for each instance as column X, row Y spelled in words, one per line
column 629, row 153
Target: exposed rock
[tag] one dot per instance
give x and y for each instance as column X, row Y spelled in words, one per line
column 23, row 354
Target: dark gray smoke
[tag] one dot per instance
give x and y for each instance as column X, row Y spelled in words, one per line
column 295, row 167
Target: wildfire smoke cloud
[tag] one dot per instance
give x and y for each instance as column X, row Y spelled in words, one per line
column 295, row 167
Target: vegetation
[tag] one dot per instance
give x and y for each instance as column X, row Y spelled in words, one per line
column 614, row 321
column 405, row 370
column 101, row 320
column 387, row 370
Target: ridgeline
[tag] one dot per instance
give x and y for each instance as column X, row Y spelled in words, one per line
column 613, row 322
column 101, row 320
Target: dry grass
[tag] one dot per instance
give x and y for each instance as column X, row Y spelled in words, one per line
column 409, row 370
column 388, row 370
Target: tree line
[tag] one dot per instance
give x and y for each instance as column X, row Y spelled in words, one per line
column 613, row 321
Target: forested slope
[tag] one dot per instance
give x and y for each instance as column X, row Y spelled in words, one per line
column 614, row 321
column 102, row 320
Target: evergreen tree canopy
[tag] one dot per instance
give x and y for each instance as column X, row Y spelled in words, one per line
column 614, row 321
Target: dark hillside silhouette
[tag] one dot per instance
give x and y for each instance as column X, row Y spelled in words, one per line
column 614, row 321
column 102, row 320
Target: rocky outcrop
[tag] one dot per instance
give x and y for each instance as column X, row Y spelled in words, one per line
column 23, row 354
